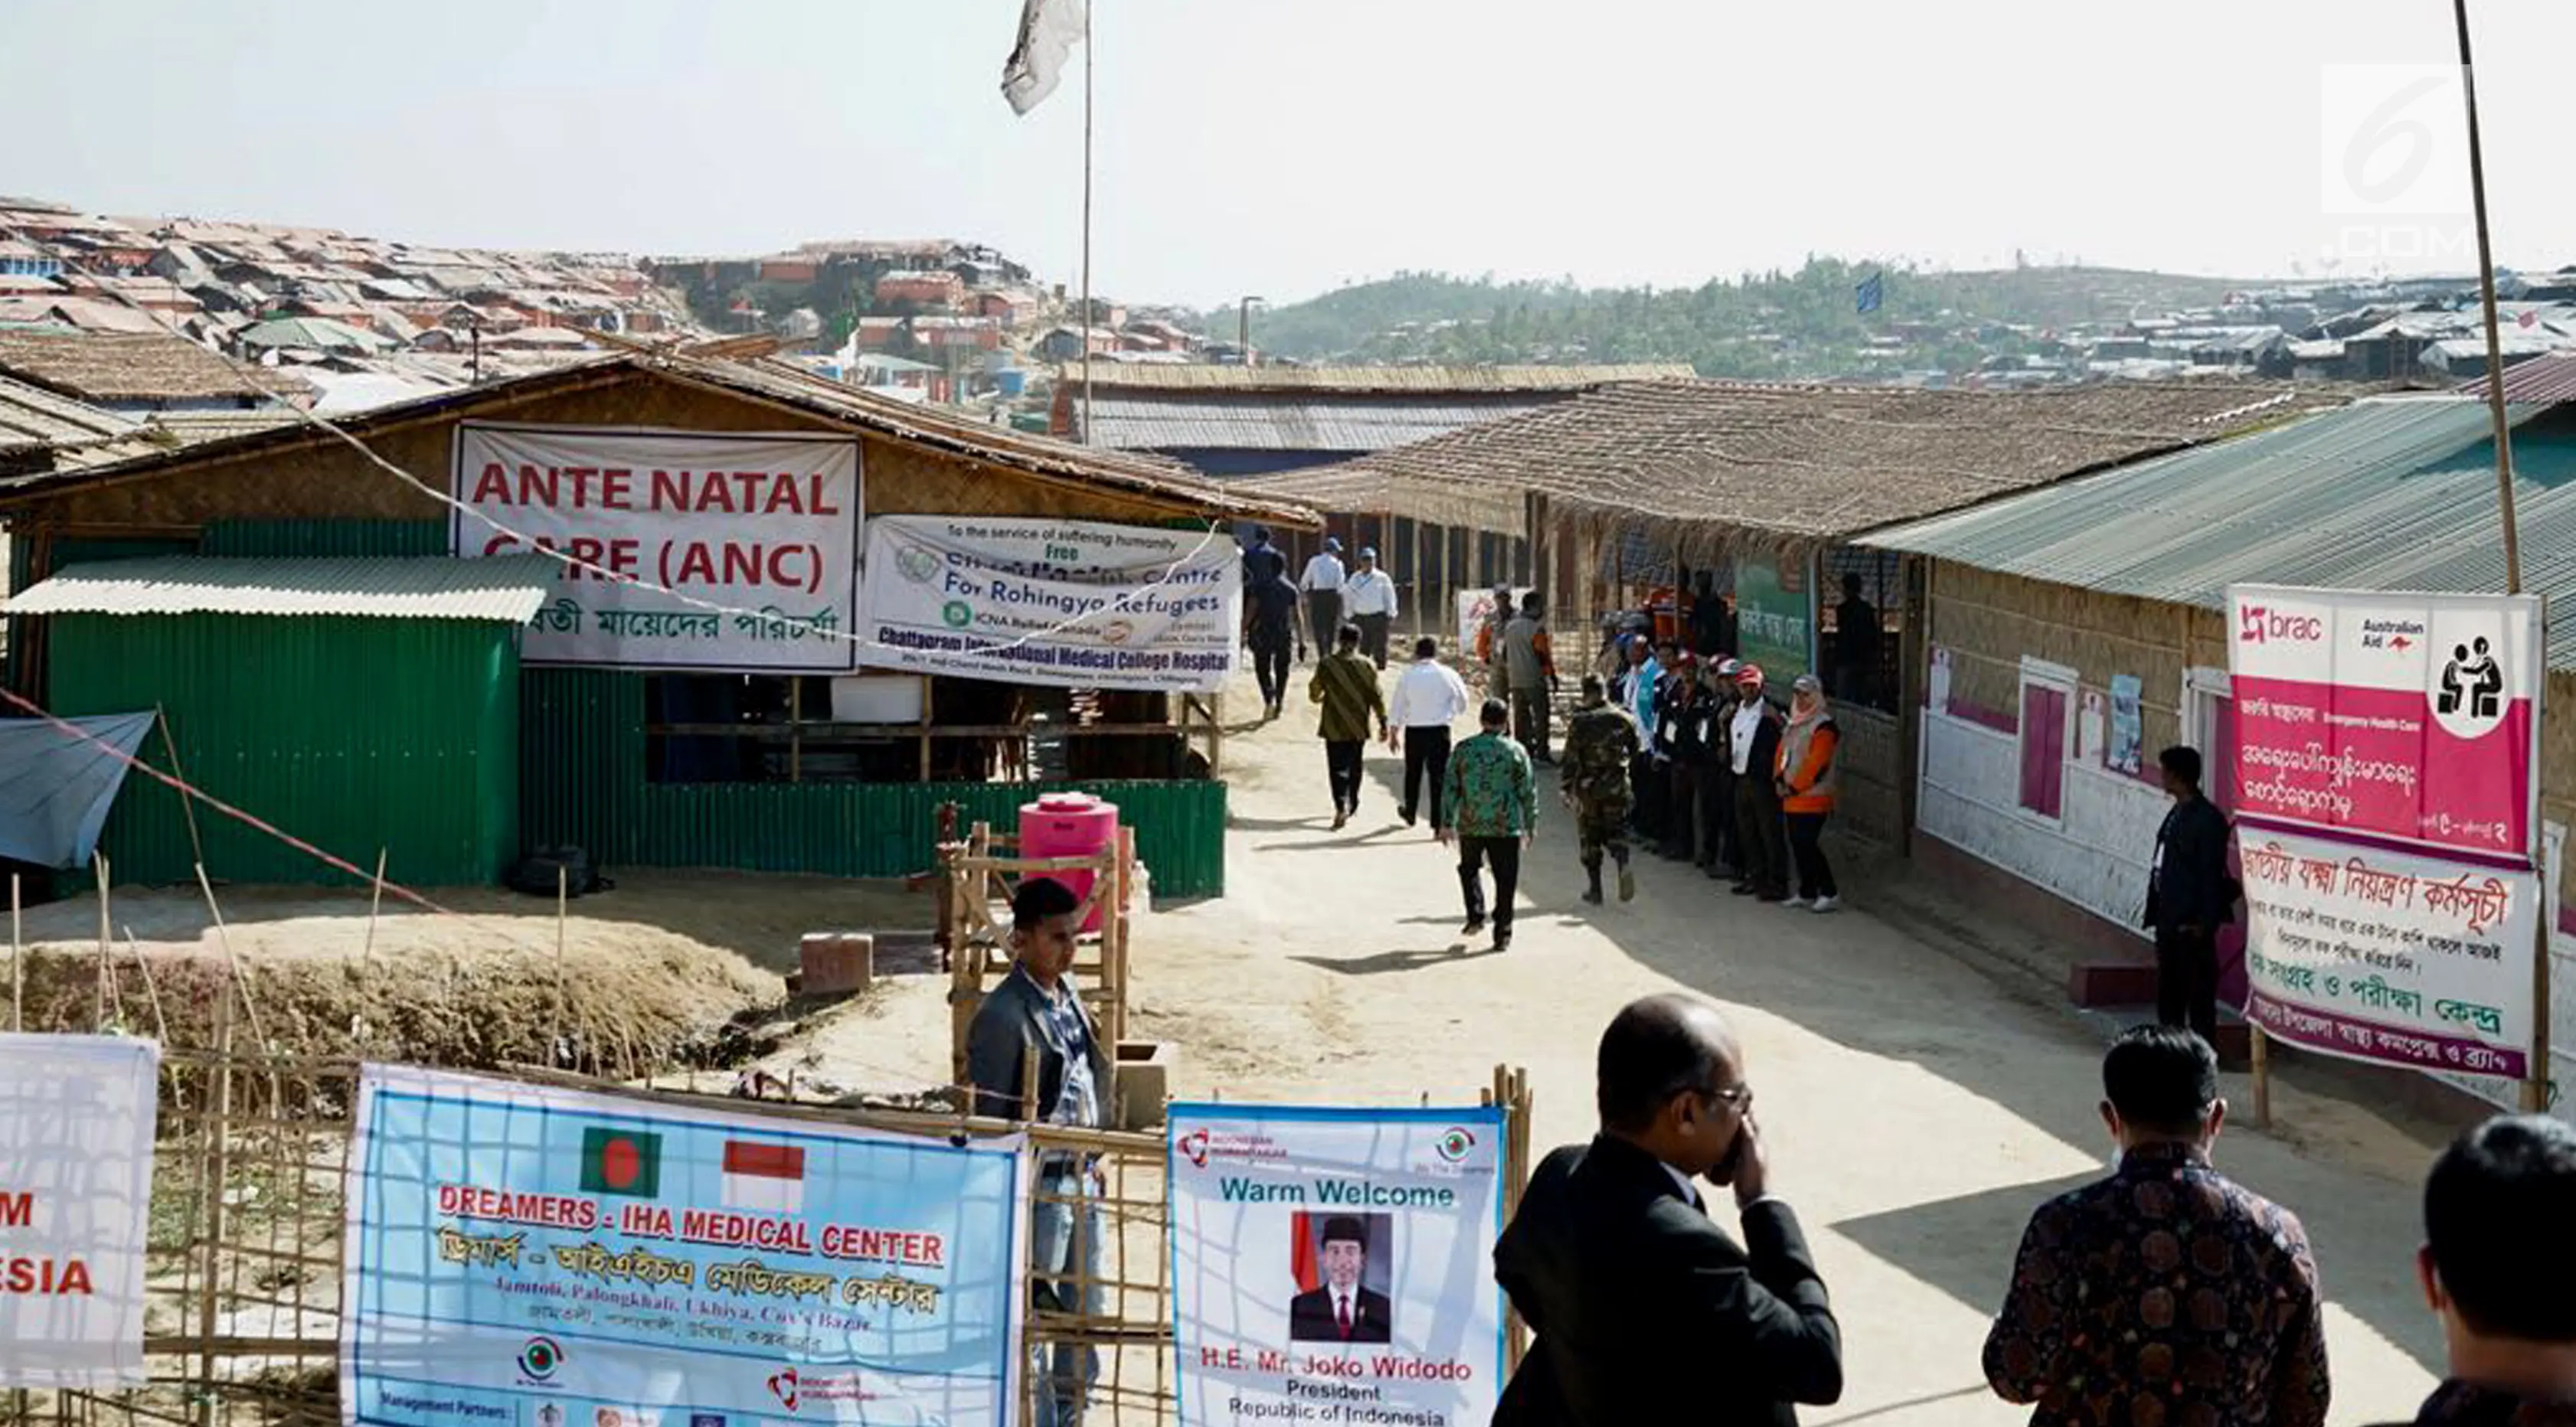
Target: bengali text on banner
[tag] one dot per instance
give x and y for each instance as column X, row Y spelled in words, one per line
column 2406, row 716
column 523, row 1256
column 76, row 1120
column 765, row 528
column 1069, row 603
column 2389, row 956
column 1334, row 1266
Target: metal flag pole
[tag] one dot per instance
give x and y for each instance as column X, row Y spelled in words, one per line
column 2535, row 1085
column 1085, row 325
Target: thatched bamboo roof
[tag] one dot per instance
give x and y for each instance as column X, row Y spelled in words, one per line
column 1712, row 463
column 133, row 367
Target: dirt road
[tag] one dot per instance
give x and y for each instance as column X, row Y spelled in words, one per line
column 1919, row 1111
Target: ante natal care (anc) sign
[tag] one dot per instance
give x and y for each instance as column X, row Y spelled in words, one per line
column 1334, row 1266
column 528, row 1257
column 1071, row 603
column 2406, row 716
column 2383, row 955
column 763, row 528
column 76, row 1117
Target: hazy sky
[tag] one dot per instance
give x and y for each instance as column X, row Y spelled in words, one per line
column 1281, row 147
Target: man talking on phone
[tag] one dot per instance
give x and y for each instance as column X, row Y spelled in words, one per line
column 1644, row 1310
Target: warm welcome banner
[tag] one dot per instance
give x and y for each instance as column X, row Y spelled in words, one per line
column 519, row 1256
column 765, row 528
column 76, row 1115
column 1076, row 604
column 1334, row 1266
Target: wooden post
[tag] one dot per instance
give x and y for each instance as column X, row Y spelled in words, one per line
column 240, row 973
column 17, row 961
column 2261, row 1046
column 925, row 727
column 1420, row 585
column 375, row 908
column 218, row 1129
column 563, row 901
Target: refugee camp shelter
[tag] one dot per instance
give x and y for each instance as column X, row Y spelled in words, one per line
column 2047, row 612
column 326, row 664
column 1766, row 487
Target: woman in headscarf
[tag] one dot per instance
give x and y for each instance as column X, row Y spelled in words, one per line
column 1807, row 781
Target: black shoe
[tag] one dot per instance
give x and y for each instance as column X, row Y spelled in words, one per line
column 1406, row 814
column 1592, row 894
column 1474, row 925
column 1503, row 939
column 1741, row 889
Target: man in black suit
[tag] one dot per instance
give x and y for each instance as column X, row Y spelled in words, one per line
column 1342, row 1311
column 2188, row 898
column 1644, row 1310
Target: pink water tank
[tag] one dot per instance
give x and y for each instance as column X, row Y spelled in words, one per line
column 1069, row 825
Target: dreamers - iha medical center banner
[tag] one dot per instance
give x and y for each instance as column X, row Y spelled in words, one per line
column 520, row 1256
column 1333, row 1267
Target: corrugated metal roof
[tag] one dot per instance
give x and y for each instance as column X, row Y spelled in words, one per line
column 1288, row 421
column 1426, row 381
column 2542, row 380
column 505, row 589
column 2392, row 493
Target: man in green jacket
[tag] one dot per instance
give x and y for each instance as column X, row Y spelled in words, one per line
column 1493, row 813
column 1345, row 683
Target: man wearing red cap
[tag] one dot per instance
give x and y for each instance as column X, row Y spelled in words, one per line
column 1753, row 741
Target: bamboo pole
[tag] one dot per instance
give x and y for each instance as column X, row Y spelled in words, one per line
column 106, row 945
column 216, row 1171
column 563, row 899
column 240, row 973
column 375, row 908
column 17, row 959
column 187, row 800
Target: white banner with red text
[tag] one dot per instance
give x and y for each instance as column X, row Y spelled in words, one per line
column 2406, row 716
column 531, row 1257
column 1074, row 604
column 1335, row 1265
column 76, row 1117
column 764, row 527
column 2389, row 956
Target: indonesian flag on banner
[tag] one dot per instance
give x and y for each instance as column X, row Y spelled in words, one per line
column 1049, row 29
column 763, row 1179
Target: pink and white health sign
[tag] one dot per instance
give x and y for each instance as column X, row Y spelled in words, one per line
column 2412, row 717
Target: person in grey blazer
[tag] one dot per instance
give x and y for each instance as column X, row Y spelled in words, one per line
column 1036, row 1011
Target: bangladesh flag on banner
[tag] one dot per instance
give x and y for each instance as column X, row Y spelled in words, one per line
column 621, row 1162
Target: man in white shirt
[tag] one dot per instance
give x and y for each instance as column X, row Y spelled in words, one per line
column 1429, row 697
column 1322, row 584
column 1368, row 600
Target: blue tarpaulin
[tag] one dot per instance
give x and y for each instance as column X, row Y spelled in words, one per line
column 56, row 786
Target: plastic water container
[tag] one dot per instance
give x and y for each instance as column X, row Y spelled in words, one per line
column 1069, row 825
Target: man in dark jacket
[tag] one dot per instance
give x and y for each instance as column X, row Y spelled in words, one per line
column 1753, row 752
column 2499, row 1251
column 2188, row 898
column 1644, row 1310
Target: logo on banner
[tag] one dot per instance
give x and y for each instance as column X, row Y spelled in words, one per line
column 2258, row 624
column 550, row 1415
column 782, row 1385
column 627, row 1162
column 957, row 614
column 2469, row 697
column 1456, row 1143
column 540, row 1358
column 1194, row 1147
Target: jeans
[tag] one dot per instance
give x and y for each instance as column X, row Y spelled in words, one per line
column 1373, row 629
column 2187, row 980
column 1066, row 1231
column 1505, row 854
column 1426, row 750
column 1815, row 877
column 1342, row 765
column 1270, row 665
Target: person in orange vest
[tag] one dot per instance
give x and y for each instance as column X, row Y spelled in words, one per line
column 1807, row 781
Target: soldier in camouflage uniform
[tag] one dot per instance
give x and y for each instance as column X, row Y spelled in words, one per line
column 1599, row 744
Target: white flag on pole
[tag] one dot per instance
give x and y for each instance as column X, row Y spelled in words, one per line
column 1049, row 29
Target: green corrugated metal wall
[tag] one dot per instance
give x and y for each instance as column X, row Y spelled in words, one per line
column 583, row 783
column 579, row 740
column 353, row 734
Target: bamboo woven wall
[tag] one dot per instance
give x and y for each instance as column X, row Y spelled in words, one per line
column 1989, row 621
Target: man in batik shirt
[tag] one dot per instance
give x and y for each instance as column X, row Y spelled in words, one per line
column 1492, row 812
column 2167, row 1293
